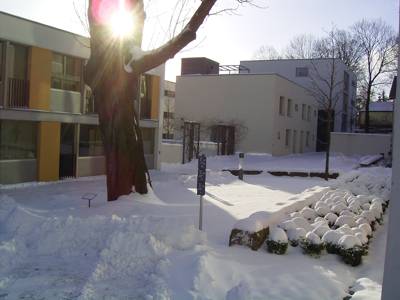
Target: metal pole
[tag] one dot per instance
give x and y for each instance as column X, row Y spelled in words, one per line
column 241, row 158
column 201, row 214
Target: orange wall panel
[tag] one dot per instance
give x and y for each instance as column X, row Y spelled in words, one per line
column 48, row 151
column 39, row 76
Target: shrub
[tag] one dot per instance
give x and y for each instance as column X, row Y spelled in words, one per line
column 312, row 244
column 277, row 247
column 352, row 256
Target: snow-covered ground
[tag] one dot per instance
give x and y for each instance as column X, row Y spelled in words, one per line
column 52, row 246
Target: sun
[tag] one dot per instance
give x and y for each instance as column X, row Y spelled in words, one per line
column 121, row 23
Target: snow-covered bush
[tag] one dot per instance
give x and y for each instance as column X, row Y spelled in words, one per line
column 312, row 244
column 351, row 250
column 296, row 236
column 343, row 220
column 302, row 223
column 308, row 213
column 321, row 229
column 277, row 241
column 331, row 218
column 331, row 240
column 366, row 228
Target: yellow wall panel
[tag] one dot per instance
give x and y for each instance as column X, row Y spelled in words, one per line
column 48, row 151
column 39, row 76
column 155, row 97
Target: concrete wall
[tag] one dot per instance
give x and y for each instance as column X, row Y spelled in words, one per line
column 243, row 100
column 16, row 171
column 322, row 67
column 91, row 166
column 65, row 101
column 360, row 143
column 295, row 123
column 171, row 152
column 250, row 101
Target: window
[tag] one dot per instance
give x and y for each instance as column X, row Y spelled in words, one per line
column 289, row 107
column 315, row 113
column 17, row 139
column 281, row 106
column 279, row 135
column 309, row 113
column 303, row 111
column 66, row 72
column 145, row 97
column 296, row 107
column 301, row 72
column 168, row 115
column 288, row 137
column 307, row 139
column 90, row 143
column 169, row 93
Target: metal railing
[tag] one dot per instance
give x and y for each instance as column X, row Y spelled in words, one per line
column 17, row 93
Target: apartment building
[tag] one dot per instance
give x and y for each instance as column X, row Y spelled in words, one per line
column 168, row 110
column 264, row 113
column 311, row 74
column 48, row 122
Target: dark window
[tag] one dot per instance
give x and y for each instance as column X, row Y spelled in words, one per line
column 66, row 72
column 168, row 115
column 90, row 142
column 301, row 72
column 1, row 62
column 145, row 97
column 17, row 139
column 169, row 93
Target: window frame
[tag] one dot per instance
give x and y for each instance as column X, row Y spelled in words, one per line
column 64, row 77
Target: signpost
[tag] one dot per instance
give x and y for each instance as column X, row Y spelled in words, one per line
column 241, row 158
column 201, row 185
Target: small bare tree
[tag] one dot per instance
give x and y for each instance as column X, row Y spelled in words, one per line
column 301, row 46
column 326, row 89
column 377, row 43
column 267, row 52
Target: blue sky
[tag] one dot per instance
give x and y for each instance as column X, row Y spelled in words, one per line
column 230, row 38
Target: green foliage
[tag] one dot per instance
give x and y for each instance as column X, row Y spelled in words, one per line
column 276, row 247
column 311, row 248
column 352, row 256
column 332, row 248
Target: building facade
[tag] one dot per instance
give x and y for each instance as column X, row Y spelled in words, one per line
column 168, row 110
column 48, row 122
column 264, row 113
column 313, row 75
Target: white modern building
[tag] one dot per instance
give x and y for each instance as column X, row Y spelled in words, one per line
column 264, row 113
column 311, row 74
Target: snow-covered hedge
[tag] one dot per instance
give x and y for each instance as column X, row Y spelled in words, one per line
column 340, row 219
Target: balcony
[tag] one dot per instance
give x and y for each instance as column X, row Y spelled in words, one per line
column 17, row 95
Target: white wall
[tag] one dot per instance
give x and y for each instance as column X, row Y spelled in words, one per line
column 287, row 68
column 248, row 100
column 229, row 99
column 360, row 143
column 298, row 96
column 171, row 152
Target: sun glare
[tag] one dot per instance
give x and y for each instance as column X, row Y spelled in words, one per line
column 121, row 23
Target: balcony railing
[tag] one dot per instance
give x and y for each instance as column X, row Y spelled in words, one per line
column 17, row 93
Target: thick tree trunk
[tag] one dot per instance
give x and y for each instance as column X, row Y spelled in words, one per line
column 125, row 162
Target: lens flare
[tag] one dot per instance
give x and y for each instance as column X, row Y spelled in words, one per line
column 121, row 23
